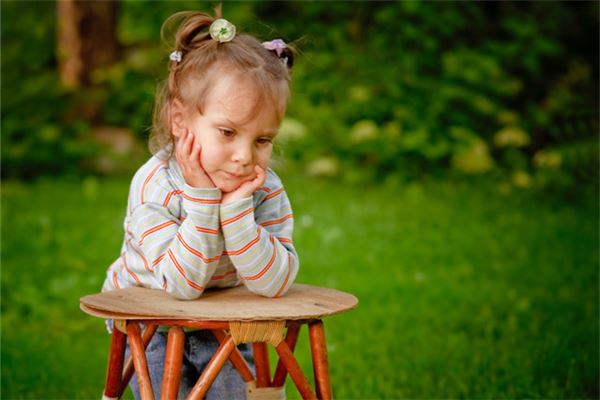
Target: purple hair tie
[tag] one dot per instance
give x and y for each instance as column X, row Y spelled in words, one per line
column 276, row 45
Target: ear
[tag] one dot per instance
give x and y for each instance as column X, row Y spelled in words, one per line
column 177, row 118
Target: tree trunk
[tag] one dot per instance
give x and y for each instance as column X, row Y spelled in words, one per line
column 86, row 39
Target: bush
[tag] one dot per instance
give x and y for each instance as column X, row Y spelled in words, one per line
column 402, row 90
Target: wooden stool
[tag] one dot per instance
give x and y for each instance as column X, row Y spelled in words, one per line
column 234, row 316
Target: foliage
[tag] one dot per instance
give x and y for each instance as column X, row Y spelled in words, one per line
column 436, row 83
column 463, row 293
column 384, row 90
column 38, row 134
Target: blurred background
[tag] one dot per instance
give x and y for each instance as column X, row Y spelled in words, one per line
column 441, row 159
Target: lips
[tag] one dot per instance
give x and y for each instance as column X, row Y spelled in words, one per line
column 234, row 176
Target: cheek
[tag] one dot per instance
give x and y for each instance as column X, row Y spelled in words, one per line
column 209, row 152
column 264, row 156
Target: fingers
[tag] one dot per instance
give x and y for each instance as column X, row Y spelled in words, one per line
column 253, row 185
column 188, row 142
column 196, row 151
column 261, row 176
column 180, row 146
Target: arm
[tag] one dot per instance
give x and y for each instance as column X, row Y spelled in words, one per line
column 259, row 242
column 182, row 256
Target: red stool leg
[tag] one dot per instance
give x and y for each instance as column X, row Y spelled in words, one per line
column 128, row 370
column 289, row 362
column 319, row 356
column 212, row 369
column 173, row 360
column 112, row 387
column 236, row 358
column 139, row 360
column 291, row 338
column 261, row 363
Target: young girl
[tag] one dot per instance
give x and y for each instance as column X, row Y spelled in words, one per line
column 206, row 211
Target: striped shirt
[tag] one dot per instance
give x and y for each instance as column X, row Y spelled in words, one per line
column 183, row 240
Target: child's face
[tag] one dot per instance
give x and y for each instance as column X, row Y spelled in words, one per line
column 233, row 140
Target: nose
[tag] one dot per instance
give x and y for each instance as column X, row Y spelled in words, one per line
column 242, row 154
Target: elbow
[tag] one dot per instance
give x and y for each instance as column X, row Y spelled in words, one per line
column 282, row 285
column 288, row 282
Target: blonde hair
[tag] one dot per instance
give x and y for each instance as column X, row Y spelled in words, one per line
column 203, row 59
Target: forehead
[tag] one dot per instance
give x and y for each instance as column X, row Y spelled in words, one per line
column 240, row 101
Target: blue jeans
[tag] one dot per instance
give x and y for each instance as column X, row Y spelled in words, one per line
column 198, row 349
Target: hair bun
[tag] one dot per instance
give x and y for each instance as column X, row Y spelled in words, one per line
column 287, row 56
column 281, row 50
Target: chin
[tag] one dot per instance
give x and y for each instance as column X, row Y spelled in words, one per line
column 228, row 187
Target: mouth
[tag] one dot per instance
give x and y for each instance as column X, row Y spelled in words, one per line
column 231, row 175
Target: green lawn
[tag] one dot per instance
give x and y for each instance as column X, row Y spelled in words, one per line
column 464, row 293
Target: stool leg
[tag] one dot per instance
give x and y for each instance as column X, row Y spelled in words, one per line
column 236, row 358
column 128, row 370
column 319, row 356
column 212, row 369
column 112, row 387
column 261, row 363
column 173, row 360
column 290, row 338
column 290, row 363
column 139, row 360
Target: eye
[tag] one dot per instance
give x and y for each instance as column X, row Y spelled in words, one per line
column 264, row 141
column 226, row 132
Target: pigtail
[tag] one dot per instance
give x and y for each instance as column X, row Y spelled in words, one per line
column 192, row 32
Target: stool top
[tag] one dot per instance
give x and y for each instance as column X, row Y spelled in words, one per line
column 232, row 304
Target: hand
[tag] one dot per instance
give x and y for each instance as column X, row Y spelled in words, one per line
column 188, row 154
column 246, row 188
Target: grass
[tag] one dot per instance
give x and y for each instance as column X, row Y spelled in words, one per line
column 464, row 293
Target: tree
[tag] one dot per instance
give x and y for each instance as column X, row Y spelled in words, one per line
column 86, row 39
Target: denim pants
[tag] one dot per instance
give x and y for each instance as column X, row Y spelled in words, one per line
column 199, row 347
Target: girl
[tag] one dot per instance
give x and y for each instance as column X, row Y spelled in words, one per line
column 206, row 211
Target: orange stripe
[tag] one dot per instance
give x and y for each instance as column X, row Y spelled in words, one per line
column 196, row 252
column 286, row 277
column 171, row 194
column 221, row 277
column 141, row 256
column 239, row 216
column 264, row 188
column 277, row 221
column 203, row 201
column 115, row 281
column 154, row 229
column 134, row 276
column 274, row 194
column 284, row 240
column 265, row 269
column 180, row 269
column 207, row 230
column 158, row 259
column 246, row 247
column 150, row 175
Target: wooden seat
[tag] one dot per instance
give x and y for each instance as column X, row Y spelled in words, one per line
column 234, row 316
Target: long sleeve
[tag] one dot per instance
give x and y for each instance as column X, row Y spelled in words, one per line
column 259, row 241
column 180, row 256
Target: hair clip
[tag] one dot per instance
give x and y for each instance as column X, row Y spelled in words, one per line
column 222, row 30
column 175, row 56
column 276, row 45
